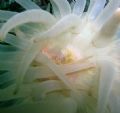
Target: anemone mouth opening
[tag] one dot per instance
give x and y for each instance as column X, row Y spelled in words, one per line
column 71, row 62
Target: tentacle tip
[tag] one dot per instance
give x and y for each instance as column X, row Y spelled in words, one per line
column 118, row 13
column 118, row 10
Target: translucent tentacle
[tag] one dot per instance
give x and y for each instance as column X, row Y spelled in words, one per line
column 1, row 24
column 92, row 2
column 7, row 56
column 48, row 7
column 42, row 72
column 18, row 42
column 9, row 60
column 114, row 99
column 10, row 102
column 72, row 4
column 5, row 15
column 24, row 92
column 75, row 67
column 97, row 8
column 107, row 12
column 79, row 7
column 69, row 21
column 61, row 75
column 39, row 72
column 25, row 17
column 27, row 4
column 24, row 65
column 56, row 10
column 6, row 79
column 4, row 75
column 7, row 65
column 4, row 48
column 107, row 75
column 63, row 6
column 41, row 89
column 54, row 105
column 107, row 33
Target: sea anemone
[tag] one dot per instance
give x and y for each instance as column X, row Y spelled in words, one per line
column 64, row 59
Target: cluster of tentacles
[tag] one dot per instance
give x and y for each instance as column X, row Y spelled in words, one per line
column 66, row 61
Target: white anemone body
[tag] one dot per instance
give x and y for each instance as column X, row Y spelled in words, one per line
column 65, row 62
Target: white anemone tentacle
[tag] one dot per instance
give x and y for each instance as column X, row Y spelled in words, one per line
column 79, row 7
column 27, row 4
column 20, row 43
column 26, row 17
column 61, row 75
column 92, row 2
column 107, row 33
column 96, row 9
column 56, row 10
column 69, row 22
column 107, row 74
column 42, row 72
column 63, row 6
column 114, row 99
column 24, row 65
column 40, row 90
column 5, row 15
column 104, row 16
